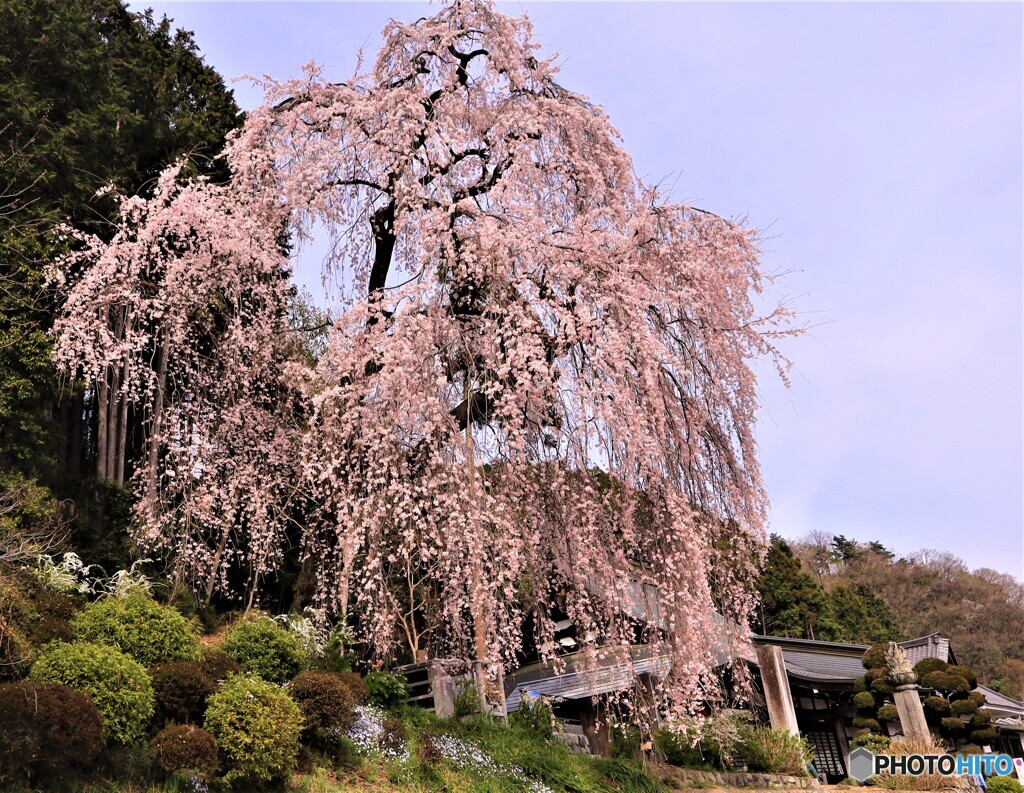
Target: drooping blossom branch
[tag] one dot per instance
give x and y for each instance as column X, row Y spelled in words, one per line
column 539, row 380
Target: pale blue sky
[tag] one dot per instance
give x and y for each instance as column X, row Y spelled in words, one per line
column 880, row 144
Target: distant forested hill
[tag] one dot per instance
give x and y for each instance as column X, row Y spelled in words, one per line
column 834, row 589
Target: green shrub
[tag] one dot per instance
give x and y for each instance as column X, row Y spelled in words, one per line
column 680, row 749
column 962, row 707
column 181, row 689
column 218, row 666
column 951, row 724
column 138, row 626
column 966, row 673
column 257, row 727
column 356, row 687
column 977, row 698
column 864, row 701
column 984, row 736
column 386, row 689
column 1004, row 784
column 774, row 751
column 981, row 718
column 184, row 749
column 467, row 699
column 938, row 705
column 534, row 716
column 881, row 685
column 888, row 713
column 864, row 723
column 946, row 682
column 874, row 656
column 117, row 685
column 47, row 731
column 870, row 740
column 928, row 665
column 263, row 647
column 325, row 701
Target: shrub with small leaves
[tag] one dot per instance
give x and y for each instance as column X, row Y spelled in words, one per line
column 881, row 685
column 981, row 718
column 864, row 701
column 869, row 740
column 977, row 698
column 937, row 705
column 325, row 700
column 984, row 736
column 257, row 727
column 946, row 682
column 874, row 656
column 888, row 713
column 356, row 687
column 117, row 685
column 928, row 665
column 966, row 673
column 181, row 689
column 1004, row 784
column 535, row 716
column 47, row 731
column 386, row 689
column 139, row 627
column 867, row 724
column 217, row 666
column 186, row 750
column 952, row 725
column 962, row 707
column 263, row 647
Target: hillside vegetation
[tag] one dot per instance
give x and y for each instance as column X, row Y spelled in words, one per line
column 834, row 589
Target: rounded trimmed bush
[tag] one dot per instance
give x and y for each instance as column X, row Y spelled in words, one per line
column 984, row 736
column 938, row 705
column 928, row 665
column 325, row 700
column 977, row 698
column 138, row 626
column 943, row 681
column 966, row 673
column 888, row 713
column 981, row 718
column 952, row 724
column 181, row 689
column 874, row 656
column 263, row 647
column 864, row 701
column 218, row 667
column 881, row 685
column 47, row 730
column 117, row 684
column 184, row 749
column 257, row 727
column 356, row 686
column 867, row 724
column 962, row 707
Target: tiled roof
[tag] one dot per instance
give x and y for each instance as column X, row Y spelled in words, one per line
column 816, row 661
column 615, row 672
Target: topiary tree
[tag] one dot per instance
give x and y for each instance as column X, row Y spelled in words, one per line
column 888, row 713
column 263, row 647
column 181, row 689
column 117, row 684
column 138, row 626
column 257, row 727
column 47, row 732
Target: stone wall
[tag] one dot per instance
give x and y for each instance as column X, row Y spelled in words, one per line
column 686, row 777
